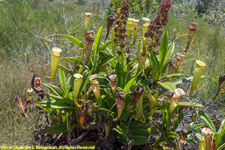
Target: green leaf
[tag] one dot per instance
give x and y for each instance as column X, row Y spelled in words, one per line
column 105, row 61
column 127, row 67
column 61, row 128
column 172, row 75
column 64, row 118
column 108, row 43
column 52, row 97
column 129, row 84
column 109, row 50
column 98, row 39
column 62, row 79
column 125, row 115
column 103, row 54
column 124, row 128
column 163, row 47
column 101, row 75
column 222, row 146
column 173, row 135
column 184, row 80
column 139, row 131
column 67, row 92
column 135, row 124
column 86, row 76
column 191, row 140
column 118, row 130
column 56, row 104
column 49, row 110
column 54, row 89
column 217, row 138
column 199, row 136
column 188, row 104
column 222, row 127
column 164, row 118
column 177, row 122
column 207, row 120
column 154, row 130
column 71, row 128
column 65, row 69
column 76, row 41
column 120, row 75
column 167, row 58
column 73, row 59
column 194, row 128
column 155, row 61
column 68, row 81
column 139, row 140
column 167, row 85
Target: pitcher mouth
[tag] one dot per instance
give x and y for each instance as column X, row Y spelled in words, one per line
column 112, row 76
column 87, row 14
column 77, row 76
column 56, row 51
column 88, row 35
column 92, row 77
column 200, row 63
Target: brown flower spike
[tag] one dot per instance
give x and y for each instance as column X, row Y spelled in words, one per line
column 120, row 29
column 120, row 102
column 20, row 105
column 138, row 92
column 156, row 26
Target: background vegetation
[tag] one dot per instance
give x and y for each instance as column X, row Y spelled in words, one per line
column 23, row 23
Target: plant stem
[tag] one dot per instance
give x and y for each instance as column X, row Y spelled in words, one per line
column 122, row 57
column 162, row 132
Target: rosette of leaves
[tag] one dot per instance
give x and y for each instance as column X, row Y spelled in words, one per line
column 137, row 90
